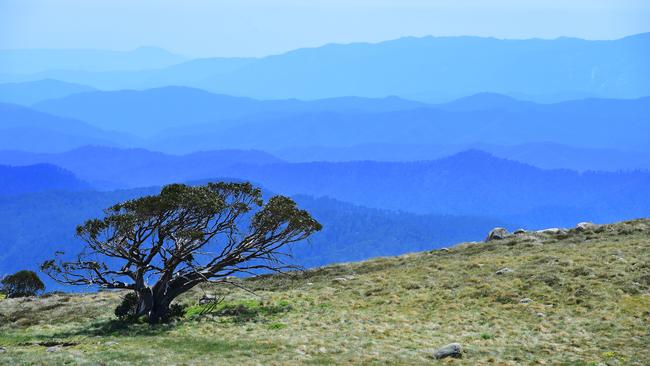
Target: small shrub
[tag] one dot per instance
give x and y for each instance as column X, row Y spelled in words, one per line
column 176, row 311
column 276, row 326
column 22, row 284
column 127, row 309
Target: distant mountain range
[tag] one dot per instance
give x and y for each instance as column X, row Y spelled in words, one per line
column 22, row 128
column 540, row 154
column 37, row 178
column 581, row 123
column 177, row 119
column 427, row 68
column 465, row 184
column 111, row 168
column 31, row 92
column 576, row 135
column 468, row 183
column 154, row 110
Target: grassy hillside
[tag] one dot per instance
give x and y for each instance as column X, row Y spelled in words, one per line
column 586, row 302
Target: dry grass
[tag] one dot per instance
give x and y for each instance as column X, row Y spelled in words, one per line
column 590, row 295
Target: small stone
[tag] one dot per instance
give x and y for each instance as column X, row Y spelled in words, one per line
column 444, row 249
column 519, row 232
column 453, row 350
column 497, row 233
column 525, row 301
column 503, row 271
column 340, row 279
column 53, row 349
column 553, row 230
column 584, row 226
column 540, row 315
column 322, row 350
column 111, row 343
column 2, row 350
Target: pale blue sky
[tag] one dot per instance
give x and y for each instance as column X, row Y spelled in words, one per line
column 261, row 27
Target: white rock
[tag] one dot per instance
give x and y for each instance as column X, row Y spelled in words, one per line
column 503, row 271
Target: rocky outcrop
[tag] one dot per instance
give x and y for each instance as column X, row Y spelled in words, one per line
column 498, row 233
column 552, row 231
column 585, row 226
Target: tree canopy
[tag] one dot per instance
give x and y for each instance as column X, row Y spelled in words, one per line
column 161, row 246
column 21, row 284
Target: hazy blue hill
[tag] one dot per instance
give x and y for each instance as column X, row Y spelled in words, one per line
column 37, row 178
column 468, row 183
column 427, row 68
column 19, row 62
column 185, row 74
column 31, row 92
column 485, row 101
column 582, row 123
column 145, row 112
column 110, row 168
column 453, row 66
column 37, row 225
column 556, row 156
column 539, row 154
column 188, row 72
column 149, row 111
column 22, row 128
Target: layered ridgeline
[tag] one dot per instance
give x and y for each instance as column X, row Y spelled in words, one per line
column 22, row 128
column 575, row 135
column 427, row 68
column 37, row 178
column 184, row 120
column 468, row 183
column 574, row 297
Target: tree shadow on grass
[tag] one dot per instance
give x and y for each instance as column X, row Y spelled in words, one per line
column 117, row 328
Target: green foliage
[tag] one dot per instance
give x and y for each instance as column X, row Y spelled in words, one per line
column 167, row 236
column 240, row 311
column 126, row 311
column 22, row 284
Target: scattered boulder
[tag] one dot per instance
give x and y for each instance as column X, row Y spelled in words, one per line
column 453, row 350
column 343, row 279
column 540, row 315
column 519, row 232
column 444, row 249
column 584, row 226
column 503, row 271
column 111, row 343
column 525, row 301
column 552, row 231
column 53, row 349
column 497, row 233
column 206, row 299
column 2, row 350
